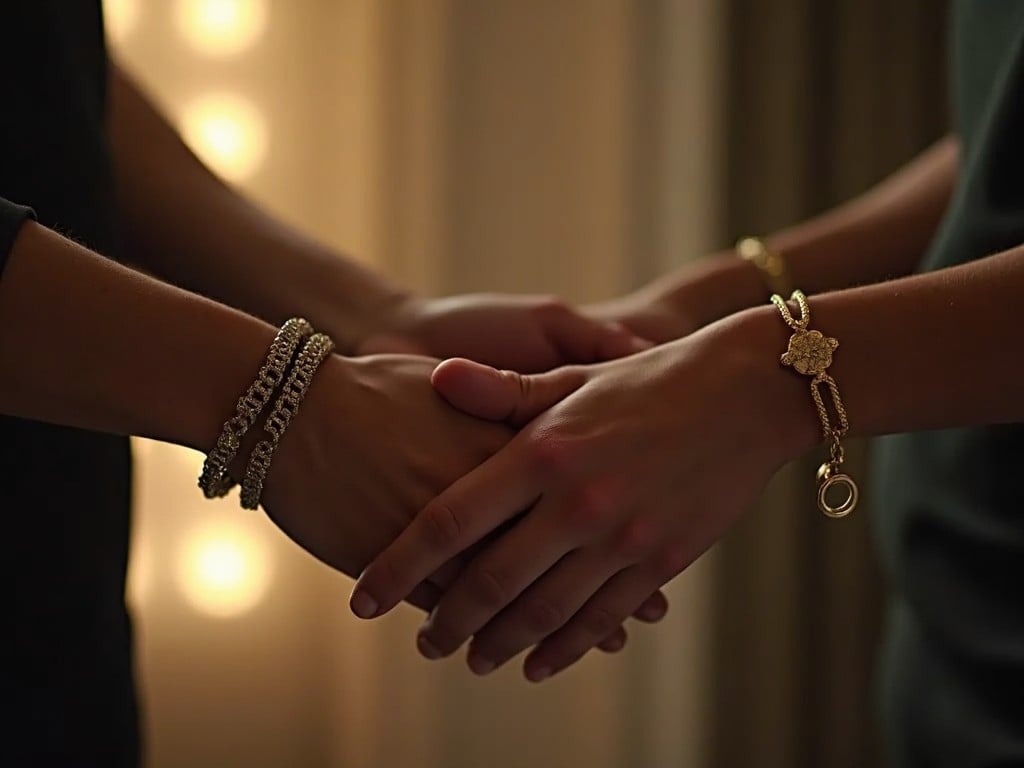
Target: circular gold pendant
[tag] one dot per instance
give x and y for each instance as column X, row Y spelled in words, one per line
column 847, row 505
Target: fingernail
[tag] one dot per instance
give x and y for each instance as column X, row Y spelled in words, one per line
column 538, row 674
column 480, row 665
column 427, row 648
column 362, row 605
column 654, row 612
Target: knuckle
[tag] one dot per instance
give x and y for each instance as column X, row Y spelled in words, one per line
column 551, row 305
column 542, row 617
column 590, row 508
column 634, row 541
column 442, row 524
column 553, row 455
column 597, row 622
column 485, row 587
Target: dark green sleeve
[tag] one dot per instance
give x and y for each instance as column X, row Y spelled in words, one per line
column 11, row 218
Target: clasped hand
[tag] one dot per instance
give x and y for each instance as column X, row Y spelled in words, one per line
column 620, row 475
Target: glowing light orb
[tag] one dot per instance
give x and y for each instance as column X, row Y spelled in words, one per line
column 227, row 133
column 221, row 27
column 224, row 569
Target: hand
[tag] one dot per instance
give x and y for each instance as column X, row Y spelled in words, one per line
column 523, row 333
column 646, row 315
column 370, row 446
column 624, row 473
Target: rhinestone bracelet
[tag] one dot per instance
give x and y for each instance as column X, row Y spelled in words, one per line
column 214, row 479
column 312, row 355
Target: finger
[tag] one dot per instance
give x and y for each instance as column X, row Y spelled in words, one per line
column 615, row 642
column 446, row 575
column 582, row 339
column 454, row 521
column 608, row 608
column 653, row 609
column 424, row 596
column 496, row 577
column 514, row 398
column 542, row 609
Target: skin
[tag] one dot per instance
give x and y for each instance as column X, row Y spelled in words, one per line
column 623, row 473
column 184, row 225
column 174, row 371
column 371, row 444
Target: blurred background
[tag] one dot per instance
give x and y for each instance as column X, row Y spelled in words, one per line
column 579, row 147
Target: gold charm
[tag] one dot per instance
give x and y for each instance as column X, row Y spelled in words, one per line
column 830, row 480
column 810, row 352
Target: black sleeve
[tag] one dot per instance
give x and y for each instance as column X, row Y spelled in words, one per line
column 11, row 218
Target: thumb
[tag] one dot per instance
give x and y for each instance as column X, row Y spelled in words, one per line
column 514, row 398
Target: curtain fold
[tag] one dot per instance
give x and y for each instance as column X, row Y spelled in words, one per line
column 822, row 100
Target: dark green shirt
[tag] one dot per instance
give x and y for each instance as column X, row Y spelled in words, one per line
column 951, row 503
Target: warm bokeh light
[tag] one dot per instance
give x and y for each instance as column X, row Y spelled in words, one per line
column 119, row 18
column 227, row 133
column 221, row 27
column 224, row 568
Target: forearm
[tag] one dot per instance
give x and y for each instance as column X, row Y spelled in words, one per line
column 86, row 342
column 875, row 237
column 186, row 226
column 930, row 351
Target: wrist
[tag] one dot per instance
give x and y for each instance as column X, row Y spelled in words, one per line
column 341, row 298
column 710, row 289
column 781, row 399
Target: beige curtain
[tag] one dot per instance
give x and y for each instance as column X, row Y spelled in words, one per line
column 522, row 145
column 823, row 100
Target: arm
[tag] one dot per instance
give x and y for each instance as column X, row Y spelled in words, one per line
column 877, row 236
column 88, row 343
column 630, row 470
column 186, row 226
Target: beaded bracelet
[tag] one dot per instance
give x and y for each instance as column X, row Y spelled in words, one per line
column 287, row 405
column 810, row 353
column 214, row 479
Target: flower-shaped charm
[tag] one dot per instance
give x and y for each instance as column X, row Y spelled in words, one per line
column 810, row 352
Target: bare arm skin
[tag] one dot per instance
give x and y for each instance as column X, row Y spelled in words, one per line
column 877, row 236
column 186, row 226
column 631, row 469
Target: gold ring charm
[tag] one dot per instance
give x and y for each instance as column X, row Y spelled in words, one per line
column 829, row 481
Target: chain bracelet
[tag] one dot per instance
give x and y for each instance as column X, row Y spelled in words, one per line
column 810, row 353
column 770, row 263
column 294, row 390
column 214, row 479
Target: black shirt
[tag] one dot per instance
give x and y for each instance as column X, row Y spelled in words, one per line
column 65, row 494
column 951, row 502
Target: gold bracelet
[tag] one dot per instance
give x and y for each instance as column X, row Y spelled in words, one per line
column 287, row 405
column 214, row 479
column 810, row 353
column 770, row 263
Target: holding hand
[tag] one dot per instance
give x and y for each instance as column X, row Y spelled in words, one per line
column 523, row 333
column 371, row 445
column 624, row 473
